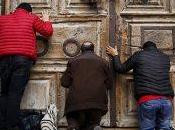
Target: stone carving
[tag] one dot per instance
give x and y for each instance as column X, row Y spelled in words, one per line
column 50, row 5
column 83, row 6
column 140, row 1
column 173, row 5
column 162, row 36
column 145, row 2
column 71, row 47
column 42, row 46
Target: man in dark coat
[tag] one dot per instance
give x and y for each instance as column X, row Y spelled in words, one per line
column 88, row 77
column 153, row 90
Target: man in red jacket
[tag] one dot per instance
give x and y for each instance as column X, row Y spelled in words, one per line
column 17, row 54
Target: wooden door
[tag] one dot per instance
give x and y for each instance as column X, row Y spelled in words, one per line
column 136, row 22
column 74, row 21
column 140, row 21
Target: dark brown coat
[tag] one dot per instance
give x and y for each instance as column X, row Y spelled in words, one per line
column 88, row 77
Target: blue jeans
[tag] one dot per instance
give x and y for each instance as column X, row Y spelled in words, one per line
column 14, row 75
column 155, row 115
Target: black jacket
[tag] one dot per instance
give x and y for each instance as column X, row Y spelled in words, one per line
column 150, row 71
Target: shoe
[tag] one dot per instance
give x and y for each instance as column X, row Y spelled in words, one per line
column 3, row 128
column 14, row 128
column 72, row 129
column 98, row 128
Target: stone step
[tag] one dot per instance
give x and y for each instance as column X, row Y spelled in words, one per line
column 64, row 128
column 108, row 128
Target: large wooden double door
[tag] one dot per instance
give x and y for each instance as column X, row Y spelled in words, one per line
column 126, row 23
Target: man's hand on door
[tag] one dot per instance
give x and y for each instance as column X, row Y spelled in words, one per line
column 111, row 51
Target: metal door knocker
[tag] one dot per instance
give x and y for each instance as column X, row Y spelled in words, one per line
column 42, row 46
column 71, row 47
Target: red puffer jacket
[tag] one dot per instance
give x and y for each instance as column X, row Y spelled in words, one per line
column 18, row 33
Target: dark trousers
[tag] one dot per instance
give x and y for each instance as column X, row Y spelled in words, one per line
column 84, row 119
column 14, row 75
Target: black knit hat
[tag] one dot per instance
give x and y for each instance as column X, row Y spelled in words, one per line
column 25, row 6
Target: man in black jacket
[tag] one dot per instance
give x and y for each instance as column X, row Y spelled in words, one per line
column 153, row 90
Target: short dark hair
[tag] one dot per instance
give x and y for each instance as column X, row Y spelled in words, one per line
column 25, row 6
column 87, row 46
column 149, row 44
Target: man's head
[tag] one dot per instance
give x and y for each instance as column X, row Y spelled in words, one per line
column 149, row 44
column 25, row 6
column 87, row 46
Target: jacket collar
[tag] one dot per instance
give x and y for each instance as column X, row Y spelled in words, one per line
column 150, row 48
column 85, row 52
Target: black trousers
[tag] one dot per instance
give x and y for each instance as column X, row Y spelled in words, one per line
column 84, row 119
column 14, row 75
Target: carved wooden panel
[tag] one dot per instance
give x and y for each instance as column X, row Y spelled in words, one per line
column 126, row 105
column 162, row 35
column 81, row 31
column 141, row 7
column 172, row 5
column 44, row 88
column 36, row 1
column 145, row 2
column 40, row 87
column 37, row 5
column 83, row 6
column 41, row 92
column 172, row 75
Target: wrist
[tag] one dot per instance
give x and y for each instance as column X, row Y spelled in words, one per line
column 46, row 18
column 115, row 54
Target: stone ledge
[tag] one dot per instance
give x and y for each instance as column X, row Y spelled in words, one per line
column 108, row 128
